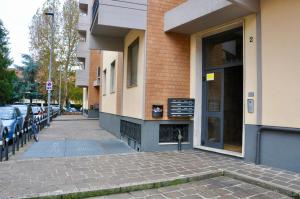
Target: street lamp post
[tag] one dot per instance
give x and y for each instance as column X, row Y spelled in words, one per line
column 59, row 92
column 50, row 65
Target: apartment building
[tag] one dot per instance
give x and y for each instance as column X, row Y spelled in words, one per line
column 223, row 74
column 88, row 77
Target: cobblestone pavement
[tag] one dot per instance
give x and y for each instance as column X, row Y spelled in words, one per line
column 52, row 176
column 64, row 175
column 220, row 187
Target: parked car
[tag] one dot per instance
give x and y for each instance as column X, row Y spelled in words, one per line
column 38, row 113
column 12, row 119
column 71, row 110
column 51, row 110
column 27, row 114
column 44, row 111
column 55, row 108
column 3, row 131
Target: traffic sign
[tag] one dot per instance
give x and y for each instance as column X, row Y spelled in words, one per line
column 49, row 85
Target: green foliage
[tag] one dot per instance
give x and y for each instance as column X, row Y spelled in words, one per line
column 6, row 77
column 75, row 93
column 27, row 86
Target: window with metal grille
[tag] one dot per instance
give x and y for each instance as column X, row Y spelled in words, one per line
column 131, row 130
column 169, row 132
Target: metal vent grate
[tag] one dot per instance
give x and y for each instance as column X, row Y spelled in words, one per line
column 169, row 132
column 131, row 130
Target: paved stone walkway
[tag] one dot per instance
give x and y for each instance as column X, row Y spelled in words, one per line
column 219, row 187
column 42, row 177
column 33, row 177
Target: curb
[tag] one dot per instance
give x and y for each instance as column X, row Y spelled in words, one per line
column 181, row 180
column 264, row 184
column 131, row 188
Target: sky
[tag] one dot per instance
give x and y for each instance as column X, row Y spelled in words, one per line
column 16, row 16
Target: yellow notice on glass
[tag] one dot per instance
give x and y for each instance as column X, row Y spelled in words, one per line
column 210, row 76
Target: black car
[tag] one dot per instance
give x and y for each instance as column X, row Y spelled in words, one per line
column 27, row 114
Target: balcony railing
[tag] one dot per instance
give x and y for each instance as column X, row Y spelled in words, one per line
column 95, row 9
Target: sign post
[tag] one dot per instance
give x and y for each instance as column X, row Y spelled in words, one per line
column 50, row 66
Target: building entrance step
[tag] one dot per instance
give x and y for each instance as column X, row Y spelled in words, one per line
column 247, row 181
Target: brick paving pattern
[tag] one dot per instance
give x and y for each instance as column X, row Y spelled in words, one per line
column 64, row 175
column 220, row 187
column 50, row 176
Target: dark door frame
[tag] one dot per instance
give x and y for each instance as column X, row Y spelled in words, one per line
column 208, row 69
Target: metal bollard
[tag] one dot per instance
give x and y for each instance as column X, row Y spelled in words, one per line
column 13, row 144
column 18, row 140
column 25, row 136
column 1, row 150
column 29, row 131
column 179, row 139
column 6, row 148
column 22, row 138
column 38, row 126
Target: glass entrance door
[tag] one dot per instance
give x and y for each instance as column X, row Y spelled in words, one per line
column 222, row 116
column 213, row 120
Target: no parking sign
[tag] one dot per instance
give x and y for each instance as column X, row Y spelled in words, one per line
column 49, row 85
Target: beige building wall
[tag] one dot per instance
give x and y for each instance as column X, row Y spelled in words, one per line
column 119, row 83
column 133, row 98
column 250, row 68
column 85, row 103
column 109, row 98
column 280, row 62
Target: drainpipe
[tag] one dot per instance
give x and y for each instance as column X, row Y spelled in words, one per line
column 258, row 141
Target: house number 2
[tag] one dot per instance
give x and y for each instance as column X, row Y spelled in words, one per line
column 251, row 39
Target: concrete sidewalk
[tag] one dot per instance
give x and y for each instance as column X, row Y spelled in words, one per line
column 73, row 135
column 72, row 118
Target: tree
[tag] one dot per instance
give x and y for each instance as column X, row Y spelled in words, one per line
column 40, row 44
column 6, row 77
column 65, row 42
column 28, row 84
column 75, row 93
column 70, row 38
